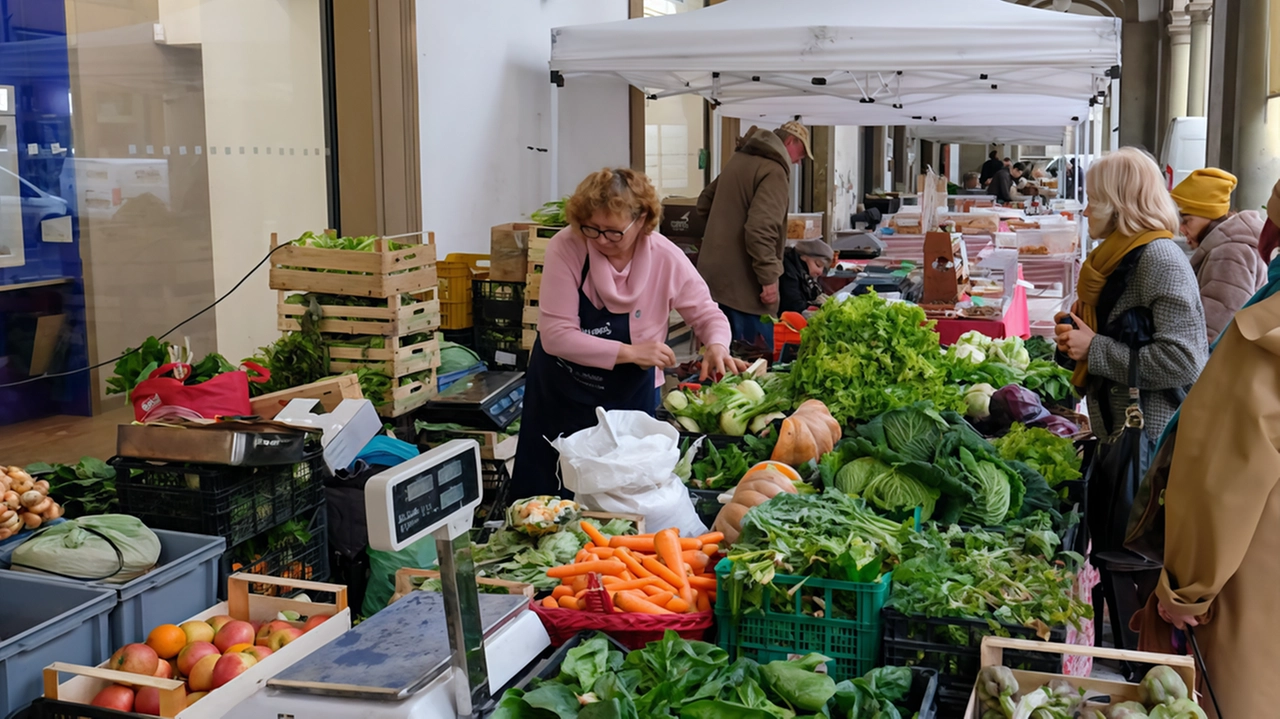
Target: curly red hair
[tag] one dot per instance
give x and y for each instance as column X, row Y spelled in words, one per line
column 622, row 192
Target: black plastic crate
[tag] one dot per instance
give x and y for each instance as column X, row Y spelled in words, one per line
column 276, row 554
column 218, row 500
column 706, row 503
column 952, row 645
column 498, row 301
column 502, row 347
column 548, row 668
column 495, row 480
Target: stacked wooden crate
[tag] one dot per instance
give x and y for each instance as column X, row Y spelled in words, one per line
column 384, row 336
column 533, row 286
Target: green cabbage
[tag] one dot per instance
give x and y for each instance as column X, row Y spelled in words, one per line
column 885, row 487
column 992, row 504
column 913, row 431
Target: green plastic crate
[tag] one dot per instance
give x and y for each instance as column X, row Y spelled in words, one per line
column 850, row 638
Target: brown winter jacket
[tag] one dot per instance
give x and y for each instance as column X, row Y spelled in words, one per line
column 746, row 211
column 1229, row 268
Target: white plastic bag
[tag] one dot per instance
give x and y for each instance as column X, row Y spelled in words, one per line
column 625, row 464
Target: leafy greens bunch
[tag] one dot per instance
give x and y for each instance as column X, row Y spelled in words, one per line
column 723, row 468
column 518, row 557
column 863, row 356
column 733, row 406
column 83, row 489
column 1016, row 577
column 137, row 365
column 1052, row 456
column 674, row 677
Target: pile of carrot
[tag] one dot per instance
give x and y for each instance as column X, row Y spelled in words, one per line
column 659, row 573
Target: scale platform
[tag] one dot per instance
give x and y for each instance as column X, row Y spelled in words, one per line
column 483, row 400
column 394, row 653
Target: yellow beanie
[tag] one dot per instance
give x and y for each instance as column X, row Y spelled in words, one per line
column 1205, row 193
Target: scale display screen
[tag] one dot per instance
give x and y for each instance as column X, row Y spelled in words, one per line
column 434, row 494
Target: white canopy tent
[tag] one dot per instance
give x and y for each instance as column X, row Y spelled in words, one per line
column 995, row 135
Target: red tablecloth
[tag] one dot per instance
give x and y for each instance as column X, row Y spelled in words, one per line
column 1015, row 323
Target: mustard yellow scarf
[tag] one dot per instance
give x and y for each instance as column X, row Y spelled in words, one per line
column 1102, row 261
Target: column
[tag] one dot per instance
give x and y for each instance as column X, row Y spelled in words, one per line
column 1179, row 30
column 1257, row 134
column 1198, row 69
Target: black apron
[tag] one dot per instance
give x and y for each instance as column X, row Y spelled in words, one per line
column 561, row 397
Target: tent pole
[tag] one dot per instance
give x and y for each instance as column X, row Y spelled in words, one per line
column 717, row 138
column 554, row 192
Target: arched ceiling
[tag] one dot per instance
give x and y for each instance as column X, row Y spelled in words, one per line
column 1132, row 10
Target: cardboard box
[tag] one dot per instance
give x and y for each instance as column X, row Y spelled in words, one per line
column 347, row 429
column 509, row 251
column 681, row 220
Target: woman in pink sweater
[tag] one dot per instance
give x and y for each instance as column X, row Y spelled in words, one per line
column 608, row 287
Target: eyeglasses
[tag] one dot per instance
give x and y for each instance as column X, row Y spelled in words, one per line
column 592, row 233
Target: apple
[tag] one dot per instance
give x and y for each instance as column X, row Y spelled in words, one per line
column 197, row 631
column 164, row 669
column 116, row 696
column 136, row 659
column 219, row 622
column 266, row 630
column 314, row 621
column 258, row 652
column 201, row 677
column 194, row 697
column 193, row 653
column 147, row 701
column 281, row 637
column 231, row 666
column 237, row 648
column 232, row 633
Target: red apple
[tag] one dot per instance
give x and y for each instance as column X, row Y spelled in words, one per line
column 233, row 633
column 147, row 701
column 281, row 637
column 136, row 659
column 193, row 653
column 116, row 696
column 231, row 666
column 194, row 697
column 266, row 630
column 197, row 631
column 201, row 677
column 314, row 621
column 219, row 621
column 164, row 669
column 258, row 652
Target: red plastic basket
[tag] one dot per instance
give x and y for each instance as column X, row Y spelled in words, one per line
column 783, row 335
column 632, row 630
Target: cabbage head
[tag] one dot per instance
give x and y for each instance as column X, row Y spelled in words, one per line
column 885, row 487
column 914, row 431
column 991, row 506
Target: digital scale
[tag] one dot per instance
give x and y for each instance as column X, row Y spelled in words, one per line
column 430, row 655
column 486, row 400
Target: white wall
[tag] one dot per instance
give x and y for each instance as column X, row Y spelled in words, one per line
column 847, row 175
column 485, row 93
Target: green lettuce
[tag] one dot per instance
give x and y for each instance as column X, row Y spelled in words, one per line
column 1052, row 456
column 885, row 487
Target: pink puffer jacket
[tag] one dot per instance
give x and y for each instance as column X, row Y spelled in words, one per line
column 1229, row 268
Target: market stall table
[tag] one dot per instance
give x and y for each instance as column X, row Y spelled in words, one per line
column 1015, row 323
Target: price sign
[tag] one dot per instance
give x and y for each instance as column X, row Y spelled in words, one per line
column 416, row 498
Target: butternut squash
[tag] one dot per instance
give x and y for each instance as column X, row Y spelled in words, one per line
column 806, row 435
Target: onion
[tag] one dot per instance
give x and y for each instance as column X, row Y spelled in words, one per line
column 31, row 498
column 32, row 520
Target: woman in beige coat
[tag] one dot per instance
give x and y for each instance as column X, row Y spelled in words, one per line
column 1228, row 266
column 1222, row 512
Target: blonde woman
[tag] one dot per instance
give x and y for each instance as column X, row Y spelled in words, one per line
column 1138, row 271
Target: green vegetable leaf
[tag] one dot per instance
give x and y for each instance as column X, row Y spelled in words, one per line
column 558, row 699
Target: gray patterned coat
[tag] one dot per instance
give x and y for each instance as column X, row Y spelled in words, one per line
column 1164, row 282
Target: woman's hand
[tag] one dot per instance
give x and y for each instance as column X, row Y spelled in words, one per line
column 647, row 355
column 1177, row 621
column 716, row 363
column 1075, row 342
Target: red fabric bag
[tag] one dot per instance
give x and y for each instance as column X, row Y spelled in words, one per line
column 158, row 398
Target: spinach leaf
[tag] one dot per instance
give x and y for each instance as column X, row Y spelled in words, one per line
column 586, row 662
column 558, row 699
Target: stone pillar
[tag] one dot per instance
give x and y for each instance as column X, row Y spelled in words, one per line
column 1257, row 132
column 1198, row 69
column 1179, row 30
column 1140, row 76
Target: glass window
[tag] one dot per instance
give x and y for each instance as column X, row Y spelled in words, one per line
column 675, row 128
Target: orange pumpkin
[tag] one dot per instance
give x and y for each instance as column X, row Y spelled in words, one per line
column 807, row 434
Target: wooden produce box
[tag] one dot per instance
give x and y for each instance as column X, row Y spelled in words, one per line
column 530, row 316
column 329, row 391
column 404, row 399
column 392, row 319
column 532, row 288
column 527, row 338
column 382, row 273
column 405, row 585
column 992, row 655
column 538, row 247
column 395, row 360
column 243, row 605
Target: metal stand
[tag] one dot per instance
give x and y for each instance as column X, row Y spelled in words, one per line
column 461, row 605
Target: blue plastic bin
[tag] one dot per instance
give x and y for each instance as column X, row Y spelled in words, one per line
column 444, row 380
column 42, row 622
column 184, row 583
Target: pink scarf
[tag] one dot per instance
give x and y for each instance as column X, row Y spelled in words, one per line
column 619, row 290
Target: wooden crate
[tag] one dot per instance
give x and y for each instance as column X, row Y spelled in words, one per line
column 395, row 360
column 404, row 399
column 993, row 656
column 382, row 273
column 532, row 288
column 392, row 319
column 527, row 338
column 530, row 316
column 538, row 247
column 329, row 391
column 405, row 585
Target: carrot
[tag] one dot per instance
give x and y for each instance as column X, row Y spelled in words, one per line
column 561, row 591
column 601, row 552
column 652, row 589
column 603, row 566
column 634, row 565
column 696, row 560
column 637, row 602
column 667, row 542
column 569, row 602
column 678, row 605
column 633, row 584
column 597, row 538
column 702, row 583
column 661, row 598
column 711, row 550
column 582, row 556
column 579, row 583
column 646, row 543
column 550, row 603
column 711, row 538
column 704, row 602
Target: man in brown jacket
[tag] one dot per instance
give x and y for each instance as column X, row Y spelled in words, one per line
column 746, row 211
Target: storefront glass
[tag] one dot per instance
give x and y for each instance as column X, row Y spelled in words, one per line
column 150, row 149
column 675, row 143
